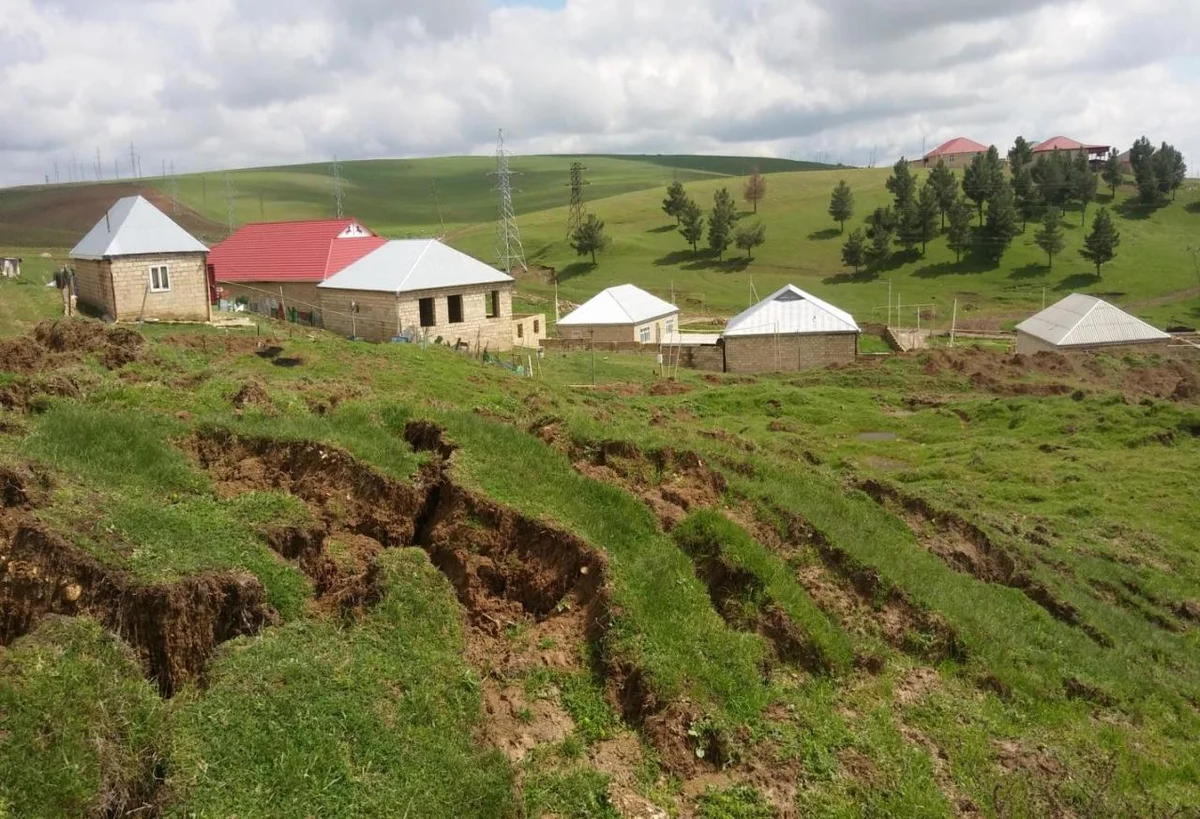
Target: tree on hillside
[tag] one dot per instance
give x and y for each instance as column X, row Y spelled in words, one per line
column 755, row 189
column 977, row 183
column 721, row 222
column 1083, row 184
column 841, row 204
column 1003, row 221
column 1021, row 153
column 691, row 223
column 1050, row 237
column 676, row 198
column 1024, row 192
column 854, row 252
column 1112, row 174
column 1141, row 157
column 749, row 237
column 902, row 184
column 958, row 234
column 881, row 230
column 1100, row 245
column 945, row 186
column 589, row 237
column 1170, row 171
column 1052, row 175
column 926, row 226
column 908, row 227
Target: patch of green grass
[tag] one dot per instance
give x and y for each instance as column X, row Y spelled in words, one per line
column 734, row 802
column 584, row 700
column 579, row 793
column 315, row 719
column 81, row 730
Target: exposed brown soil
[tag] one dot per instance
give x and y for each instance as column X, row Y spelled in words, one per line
column 516, row 724
column 54, row 342
column 252, row 394
column 966, row 548
column 619, row 758
column 915, row 685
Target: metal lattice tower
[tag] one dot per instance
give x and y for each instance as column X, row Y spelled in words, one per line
column 338, row 194
column 576, row 213
column 174, row 182
column 509, row 252
column 230, row 196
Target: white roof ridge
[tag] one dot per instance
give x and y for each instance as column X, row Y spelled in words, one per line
column 1096, row 302
column 412, row 267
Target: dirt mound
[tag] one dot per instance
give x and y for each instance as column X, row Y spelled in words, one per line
column 53, row 342
column 173, row 627
column 669, row 387
column 21, row 355
column 252, row 394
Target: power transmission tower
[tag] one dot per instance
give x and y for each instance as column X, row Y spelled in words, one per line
column 116, row 168
column 509, row 252
column 99, row 175
column 230, row 215
column 437, row 203
column 56, row 180
column 133, row 163
column 575, row 214
column 338, row 195
column 174, row 190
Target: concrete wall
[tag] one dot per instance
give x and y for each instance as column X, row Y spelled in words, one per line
column 304, row 296
column 708, row 357
column 787, row 353
column 117, row 286
column 1028, row 345
column 383, row 316
column 529, row 330
column 659, row 328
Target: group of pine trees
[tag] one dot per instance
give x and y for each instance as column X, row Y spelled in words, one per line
column 722, row 222
column 1003, row 201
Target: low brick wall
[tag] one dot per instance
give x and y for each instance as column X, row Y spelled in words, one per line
column 118, row 286
column 707, row 357
column 789, row 353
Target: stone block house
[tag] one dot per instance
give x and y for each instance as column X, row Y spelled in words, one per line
column 421, row 288
column 1080, row 323
column 622, row 313
column 274, row 267
column 137, row 262
column 789, row 330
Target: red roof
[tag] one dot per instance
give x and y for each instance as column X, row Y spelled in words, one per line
column 290, row 251
column 1062, row 143
column 958, row 145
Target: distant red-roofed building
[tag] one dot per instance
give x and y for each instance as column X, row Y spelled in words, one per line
column 1096, row 153
column 275, row 267
column 957, row 153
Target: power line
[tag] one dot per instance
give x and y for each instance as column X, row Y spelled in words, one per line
column 509, row 252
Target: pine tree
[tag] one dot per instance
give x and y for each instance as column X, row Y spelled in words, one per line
column 1051, row 175
column 881, row 230
column 902, row 184
column 1083, row 184
column 1024, row 192
column 945, row 186
column 1050, row 237
column 676, row 197
column 908, row 227
column 854, row 252
column 1113, row 176
column 1003, row 221
column 721, row 222
column 755, row 189
column 749, row 237
column 977, row 183
column 691, row 223
column 1170, row 171
column 1141, row 157
column 1021, row 153
column 589, row 237
column 841, row 204
column 958, row 235
column 926, row 214
column 1100, row 245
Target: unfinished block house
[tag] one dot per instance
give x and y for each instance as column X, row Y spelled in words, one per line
column 1081, row 323
column 137, row 262
column 622, row 313
column 420, row 288
column 789, row 330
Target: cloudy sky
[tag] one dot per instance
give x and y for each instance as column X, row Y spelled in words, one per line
column 227, row 83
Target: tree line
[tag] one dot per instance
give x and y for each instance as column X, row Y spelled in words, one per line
column 722, row 221
column 1002, row 201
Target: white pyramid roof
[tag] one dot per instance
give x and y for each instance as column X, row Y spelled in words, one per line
column 405, row 265
column 133, row 227
column 789, row 310
column 623, row 304
column 1083, row 320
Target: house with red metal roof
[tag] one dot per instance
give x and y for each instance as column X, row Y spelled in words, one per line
column 275, row 267
column 956, row 153
column 1095, row 153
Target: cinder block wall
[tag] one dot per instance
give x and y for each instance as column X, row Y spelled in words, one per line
column 531, row 332
column 708, row 357
column 382, row 316
column 117, row 286
column 93, row 285
column 302, row 295
column 788, row 353
column 621, row 332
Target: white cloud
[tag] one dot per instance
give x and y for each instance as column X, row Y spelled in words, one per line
column 270, row 81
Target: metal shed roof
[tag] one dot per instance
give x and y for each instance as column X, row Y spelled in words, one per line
column 134, row 227
column 1082, row 320
column 789, row 310
column 407, row 265
column 623, row 304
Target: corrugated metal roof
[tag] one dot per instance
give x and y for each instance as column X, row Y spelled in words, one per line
column 1082, row 320
column 304, row 251
column 1062, row 143
column 407, row 265
column 789, row 310
column 958, row 145
column 623, row 304
column 134, row 227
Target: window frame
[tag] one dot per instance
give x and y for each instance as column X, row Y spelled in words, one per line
column 520, row 329
column 421, row 305
column 493, row 304
column 163, row 273
column 644, row 335
column 537, row 326
column 451, row 301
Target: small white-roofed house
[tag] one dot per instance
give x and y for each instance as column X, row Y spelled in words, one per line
column 136, row 262
column 1080, row 322
column 621, row 313
column 789, row 330
column 420, row 288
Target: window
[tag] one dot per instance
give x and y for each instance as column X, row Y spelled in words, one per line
column 426, row 308
column 493, row 304
column 537, row 326
column 454, row 308
column 671, row 327
column 520, row 330
column 644, row 335
column 160, row 279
